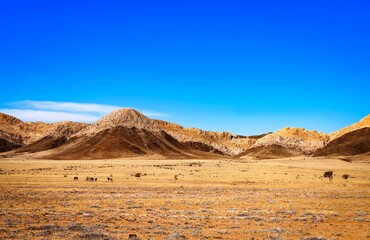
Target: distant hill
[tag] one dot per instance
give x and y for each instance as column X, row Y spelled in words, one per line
column 128, row 133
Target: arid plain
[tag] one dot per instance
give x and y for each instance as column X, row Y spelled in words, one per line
column 184, row 199
column 142, row 178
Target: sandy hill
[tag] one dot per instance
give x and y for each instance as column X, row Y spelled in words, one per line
column 364, row 122
column 350, row 143
column 224, row 142
column 125, row 133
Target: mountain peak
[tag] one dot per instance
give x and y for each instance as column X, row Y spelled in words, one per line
column 127, row 117
column 123, row 117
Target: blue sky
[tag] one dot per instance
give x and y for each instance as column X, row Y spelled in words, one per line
column 247, row 67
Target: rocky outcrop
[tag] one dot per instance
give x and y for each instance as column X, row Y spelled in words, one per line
column 6, row 119
column 298, row 139
column 21, row 133
column 224, row 142
column 58, row 135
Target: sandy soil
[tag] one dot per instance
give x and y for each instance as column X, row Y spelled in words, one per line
column 184, row 199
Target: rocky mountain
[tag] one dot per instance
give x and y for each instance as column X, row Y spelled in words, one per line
column 364, row 122
column 297, row 139
column 224, row 142
column 351, row 143
column 15, row 134
column 128, row 133
column 58, row 135
column 9, row 141
column 125, row 133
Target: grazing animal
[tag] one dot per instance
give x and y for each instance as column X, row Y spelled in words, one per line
column 329, row 174
column 110, row 179
column 345, row 176
column 75, row 178
column 96, row 179
column 90, row 179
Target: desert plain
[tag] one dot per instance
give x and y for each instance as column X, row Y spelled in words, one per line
column 284, row 198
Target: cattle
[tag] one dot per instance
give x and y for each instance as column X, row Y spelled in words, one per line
column 345, row 176
column 89, row 179
column 96, row 179
column 75, row 178
column 110, row 179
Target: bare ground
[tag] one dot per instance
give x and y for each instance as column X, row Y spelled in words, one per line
column 184, row 199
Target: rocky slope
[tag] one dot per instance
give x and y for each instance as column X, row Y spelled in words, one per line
column 364, row 122
column 269, row 152
column 18, row 133
column 125, row 133
column 9, row 141
column 58, row 135
column 224, row 142
column 297, row 139
column 124, row 117
column 350, row 143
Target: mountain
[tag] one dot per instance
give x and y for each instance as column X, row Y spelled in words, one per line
column 58, row 135
column 364, row 122
column 125, row 133
column 351, row 143
column 224, row 142
column 15, row 134
column 298, row 139
column 6, row 119
column 9, row 141
column 128, row 133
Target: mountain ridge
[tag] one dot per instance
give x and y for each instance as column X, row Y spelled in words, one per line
column 127, row 132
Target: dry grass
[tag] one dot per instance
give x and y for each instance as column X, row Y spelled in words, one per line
column 184, row 199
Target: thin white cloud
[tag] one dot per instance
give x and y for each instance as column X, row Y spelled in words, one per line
column 49, row 111
column 49, row 116
column 66, row 106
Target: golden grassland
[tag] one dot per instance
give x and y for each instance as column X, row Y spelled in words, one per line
column 184, row 199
